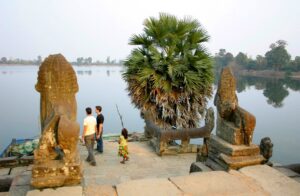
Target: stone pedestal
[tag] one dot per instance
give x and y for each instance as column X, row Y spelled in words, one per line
column 56, row 173
column 228, row 156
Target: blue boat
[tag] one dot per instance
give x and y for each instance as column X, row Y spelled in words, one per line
column 7, row 152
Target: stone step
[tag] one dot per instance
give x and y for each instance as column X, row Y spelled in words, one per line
column 9, row 161
column 199, row 167
column 241, row 161
column 214, row 165
column 220, row 145
column 219, row 161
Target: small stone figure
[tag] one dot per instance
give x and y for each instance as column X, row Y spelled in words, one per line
column 266, row 149
column 57, row 84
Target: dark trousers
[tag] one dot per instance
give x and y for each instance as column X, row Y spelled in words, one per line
column 100, row 144
column 89, row 143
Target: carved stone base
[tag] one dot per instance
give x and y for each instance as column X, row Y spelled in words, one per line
column 162, row 148
column 55, row 173
column 229, row 156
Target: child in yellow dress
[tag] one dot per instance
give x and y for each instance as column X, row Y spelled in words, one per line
column 123, row 148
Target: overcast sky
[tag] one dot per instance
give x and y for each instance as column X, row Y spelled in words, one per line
column 101, row 28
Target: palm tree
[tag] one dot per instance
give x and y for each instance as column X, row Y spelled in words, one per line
column 170, row 74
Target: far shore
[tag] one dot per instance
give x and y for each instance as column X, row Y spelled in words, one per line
column 90, row 65
column 268, row 74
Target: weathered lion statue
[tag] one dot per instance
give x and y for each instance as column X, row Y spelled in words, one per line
column 56, row 157
column 234, row 124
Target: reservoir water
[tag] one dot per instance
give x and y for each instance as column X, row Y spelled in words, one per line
column 274, row 102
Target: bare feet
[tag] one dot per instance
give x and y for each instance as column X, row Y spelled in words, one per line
column 127, row 159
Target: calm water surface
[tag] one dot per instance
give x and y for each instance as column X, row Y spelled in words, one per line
column 275, row 103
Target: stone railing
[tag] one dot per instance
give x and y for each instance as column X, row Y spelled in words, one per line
column 160, row 138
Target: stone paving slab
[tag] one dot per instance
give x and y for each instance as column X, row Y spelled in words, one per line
column 297, row 179
column 18, row 170
column 4, row 171
column 217, row 183
column 21, row 180
column 62, row 191
column 272, row 180
column 287, row 172
column 100, row 190
column 148, row 187
column 19, row 190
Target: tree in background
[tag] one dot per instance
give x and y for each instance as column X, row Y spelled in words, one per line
column 108, row 60
column 241, row 59
column 220, row 58
column 294, row 65
column 79, row 60
column 261, row 62
column 278, row 56
column 297, row 62
column 4, row 60
column 251, row 64
column 89, row 60
column 228, row 58
column 39, row 60
column 170, row 74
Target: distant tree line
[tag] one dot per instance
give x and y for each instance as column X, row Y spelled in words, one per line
column 79, row 61
column 89, row 61
column 277, row 59
column 19, row 61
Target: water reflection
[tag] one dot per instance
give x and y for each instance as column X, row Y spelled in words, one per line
column 275, row 90
column 84, row 72
column 90, row 72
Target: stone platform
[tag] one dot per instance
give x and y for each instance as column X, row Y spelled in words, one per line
column 253, row 180
column 148, row 174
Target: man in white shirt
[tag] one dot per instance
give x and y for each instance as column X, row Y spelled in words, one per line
column 88, row 135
